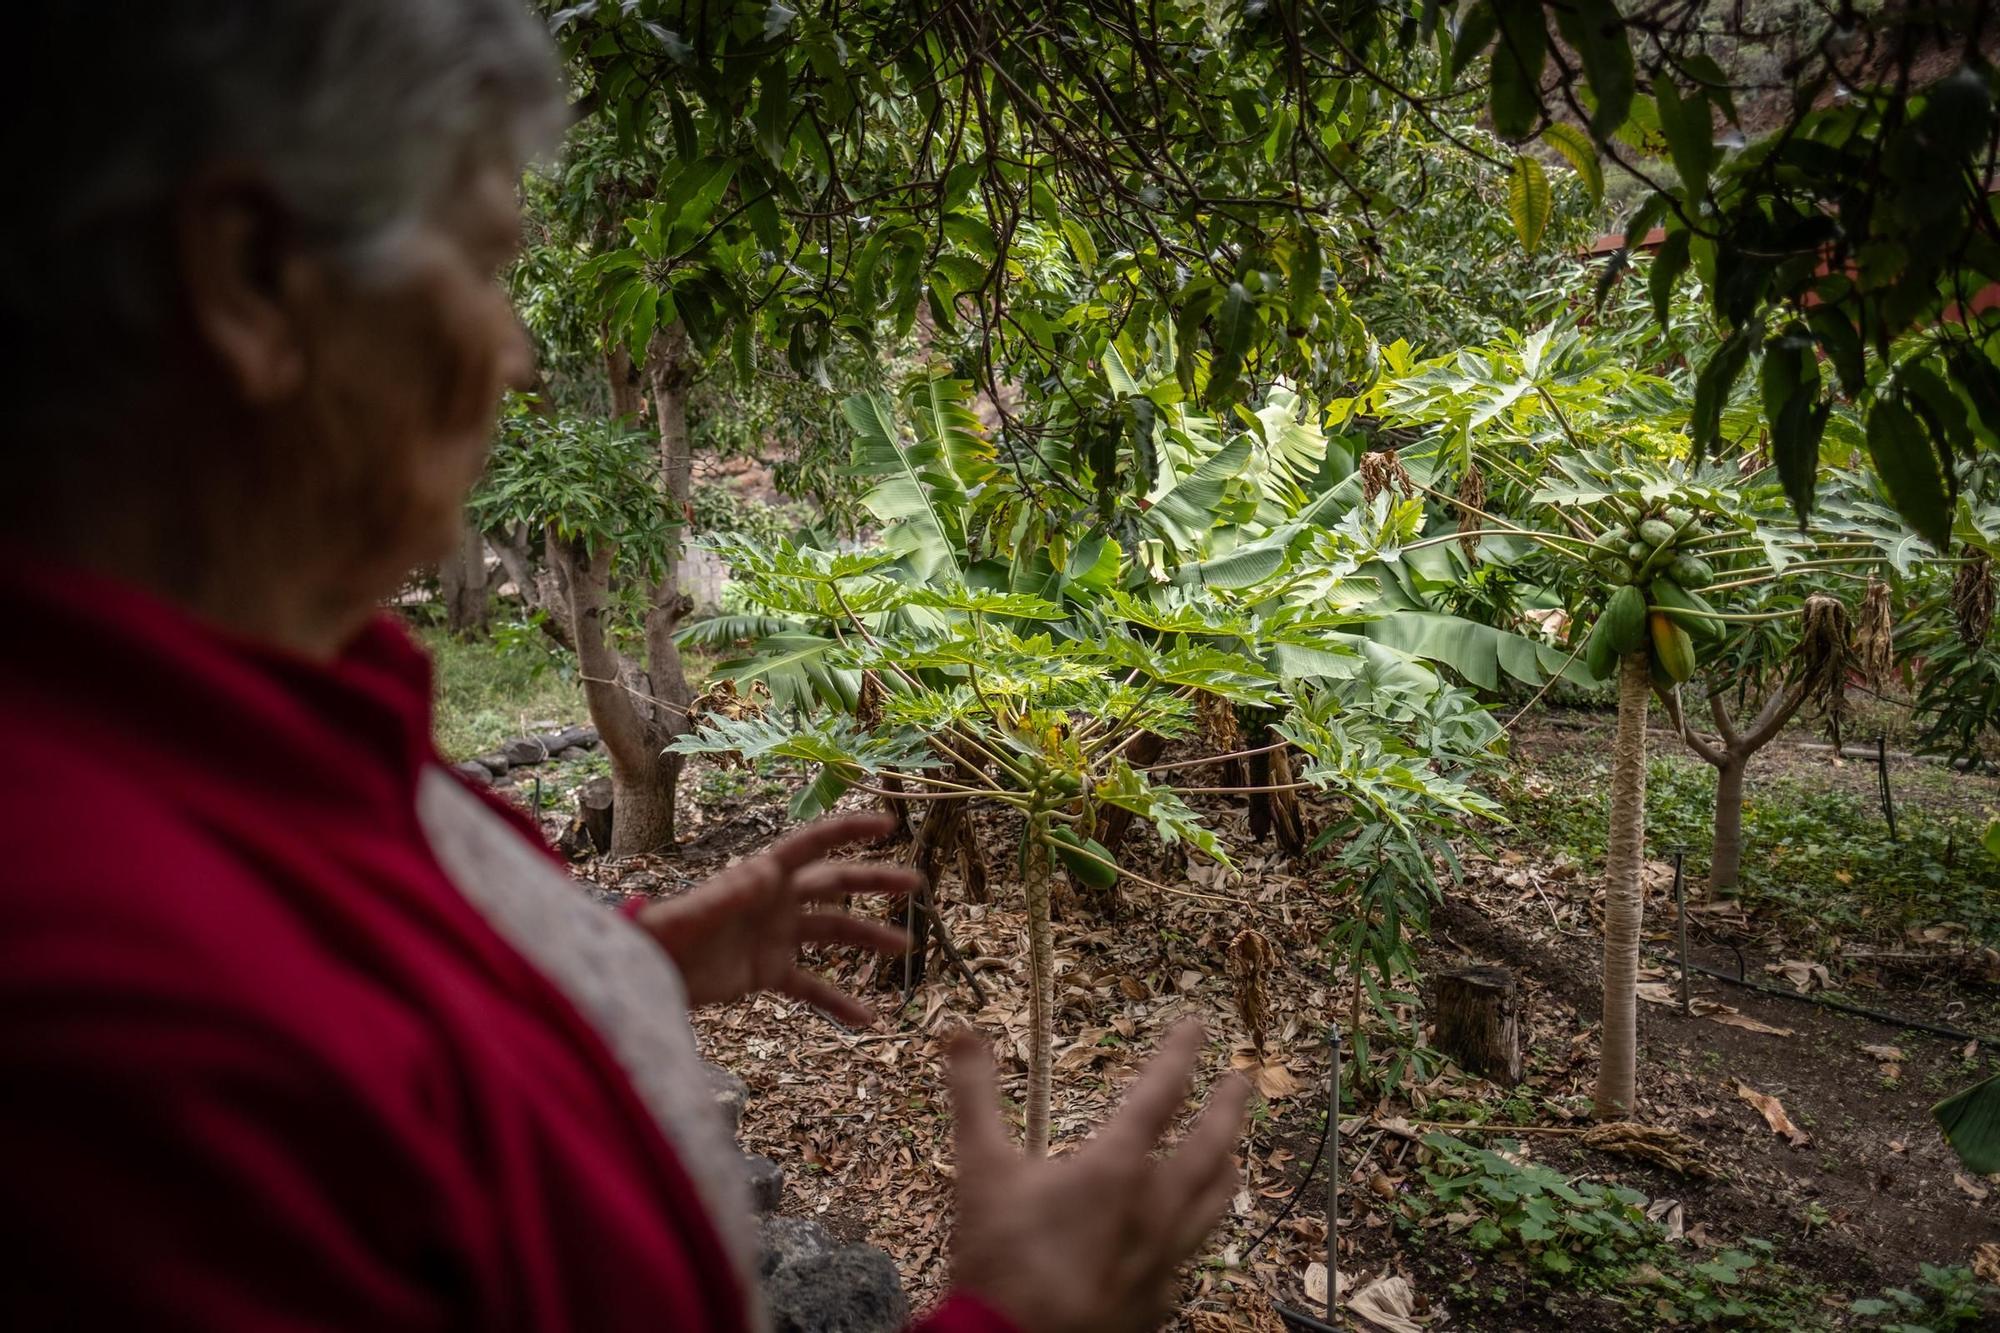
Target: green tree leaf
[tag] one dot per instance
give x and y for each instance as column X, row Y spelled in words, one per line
column 1475, row 30
column 1971, row 1124
column 1596, row 31
column 1528, row 201
column 1905, row 462
column 1576, row 147
column 1517, row 67
column 1690, row 129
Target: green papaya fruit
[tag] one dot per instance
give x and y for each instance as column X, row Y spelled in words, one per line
column 1679, row 518
column 1599, row 657
column 1656, row 532
column 1637, row 551
column 1672, row 647
column 1086, row 858
column 1685, row 609
column 1624, row 619
column 1691, row 571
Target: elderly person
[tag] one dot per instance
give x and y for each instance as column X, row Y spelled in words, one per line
column 295, row 1031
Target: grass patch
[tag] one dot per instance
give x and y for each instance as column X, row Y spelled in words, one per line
column 1818, row 861
column 488, row 692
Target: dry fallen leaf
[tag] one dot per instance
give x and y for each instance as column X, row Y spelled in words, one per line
column 1803, row 975
column 1268, row 1075
column 1986, row 1262
column 1977, row 1191
column 1389, row 1303
column 1886, row 1054
column 1749, row 1024
column 1774, row 1115
column 1670, row 1217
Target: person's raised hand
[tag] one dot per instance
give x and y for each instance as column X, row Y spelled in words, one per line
column 741, row 931
column 1090, row 1242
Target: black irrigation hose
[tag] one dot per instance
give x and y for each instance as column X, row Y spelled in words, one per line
column 1827, row 1002
column 1312, row 1169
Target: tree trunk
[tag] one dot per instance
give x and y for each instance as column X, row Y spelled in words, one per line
column 463, row 585
column 1478, row 1022
column 540, row 588
column 641, row 788
column 1041, row 986
column 1624, row 905
column 672, row 374
column 935, row 836
column 595, row 811
column 1726, row 856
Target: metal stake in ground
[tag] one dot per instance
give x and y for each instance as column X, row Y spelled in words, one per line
column 1882, row 772
column 1681, row 915
column 1333, row 1184
column 1298, row 1321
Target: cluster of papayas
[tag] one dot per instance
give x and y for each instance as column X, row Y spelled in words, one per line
column 1651, row 565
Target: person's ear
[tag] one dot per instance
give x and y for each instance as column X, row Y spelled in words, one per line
column 241, row 271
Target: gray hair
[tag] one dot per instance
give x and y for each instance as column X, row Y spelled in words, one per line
column 360, row 113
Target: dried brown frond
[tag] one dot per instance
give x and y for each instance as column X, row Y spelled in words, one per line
column 1380, row 470
column 868, row 706
column 1251, row 959
column 1875, row 635
column 1972, row 600
column 1216, row 717
column 1659, row 1144
column 1820, row 661
column 1471, row 498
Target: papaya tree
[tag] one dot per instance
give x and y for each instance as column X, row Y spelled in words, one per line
column 1021, row 658
column 1583, row 482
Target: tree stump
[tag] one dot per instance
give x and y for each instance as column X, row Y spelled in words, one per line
column 593, row 811
column 1478, row 1021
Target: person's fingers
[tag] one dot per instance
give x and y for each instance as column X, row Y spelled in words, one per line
column 1156, row 1097
column 840, row 928
column 751, row 879
column 823, row 835
column 1213, row 1139
column 1202, row 1210
column 1194, row 1184
column 824, row 881
column 828, row 998
column 979, row 1140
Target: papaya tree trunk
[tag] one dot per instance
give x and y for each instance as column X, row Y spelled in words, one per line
column 1729, row 752
column 1624, row 903
column 1726, row 857
column 1041, row 985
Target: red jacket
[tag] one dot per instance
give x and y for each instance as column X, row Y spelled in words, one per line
column 261, row 1066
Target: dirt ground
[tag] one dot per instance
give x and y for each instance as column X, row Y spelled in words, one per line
column 1867, row 1193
